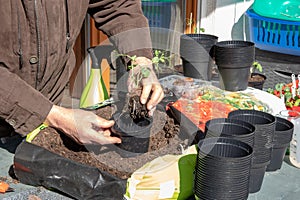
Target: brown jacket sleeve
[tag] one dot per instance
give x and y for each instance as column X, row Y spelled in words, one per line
column 16, row 106
column 124, row 22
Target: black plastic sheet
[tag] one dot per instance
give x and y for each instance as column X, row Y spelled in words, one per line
column 34, row 165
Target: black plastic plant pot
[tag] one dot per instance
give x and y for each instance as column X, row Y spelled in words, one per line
column 234, row 79
column 284, row 130
column 205, row 40
column 129, row 127
column 264, row 124
column 135, row 136
column 222, row 169
column 257, row 175
column 223, row 191
column 277, row 157
column 232, row 128
column 198, row 69
column 234, row 59
column 234, row 52
column 257, row 84
column 132, row 146
column 196, row 52
column 224, row 150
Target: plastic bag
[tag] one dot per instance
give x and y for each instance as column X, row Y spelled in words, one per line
column 166, row 177
column 34, row 165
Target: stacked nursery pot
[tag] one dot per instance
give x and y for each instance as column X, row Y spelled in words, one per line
column 264, row 124
column 222, row 169
column 283, row 134
column 234, row 59
column 135, row 135
column 231, row 128
column 196, row 52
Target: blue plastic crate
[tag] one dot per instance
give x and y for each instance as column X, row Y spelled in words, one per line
column 274, row 34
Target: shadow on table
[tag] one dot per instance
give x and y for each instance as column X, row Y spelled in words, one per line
column 286, row 159
column 10, row 143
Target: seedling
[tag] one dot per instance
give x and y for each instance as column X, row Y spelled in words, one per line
column 159, row 58
column 138, row 76
column 256, row 66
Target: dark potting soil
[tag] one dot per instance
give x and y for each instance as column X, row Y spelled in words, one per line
column 136, row 109
column 256, row 78
column 164, row 140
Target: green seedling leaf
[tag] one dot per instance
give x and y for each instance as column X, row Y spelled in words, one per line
column 145, row 72
column 155, row 60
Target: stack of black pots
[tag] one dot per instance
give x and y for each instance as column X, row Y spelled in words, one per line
column 222, row 169
column 196, row 52
column 264, row 124
column 231, row 128
column 234, row 59
column 135, row 135
column 282, row 137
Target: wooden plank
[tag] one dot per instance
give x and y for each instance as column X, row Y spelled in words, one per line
column 191, row 16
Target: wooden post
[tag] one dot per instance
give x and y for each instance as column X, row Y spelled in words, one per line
column 191, row 16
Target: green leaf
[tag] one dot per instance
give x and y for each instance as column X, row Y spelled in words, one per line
column 155, row 59
column 145, row 72
column 279, row 86
column 270, row 90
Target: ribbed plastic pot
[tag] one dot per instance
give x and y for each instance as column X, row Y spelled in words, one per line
column 135, row 136
column 277, row 157
column 222, row 169
column 234, row 59
column 198, row 69
column 196, row 52
column 257, row 174
column 284, row 130
column 231, row 128
column 283, row 134
column 264, row 124
column 234, row 52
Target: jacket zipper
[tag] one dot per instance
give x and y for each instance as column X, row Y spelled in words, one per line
column 38, row 44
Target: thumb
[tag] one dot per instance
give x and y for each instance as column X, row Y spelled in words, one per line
column 103, row 123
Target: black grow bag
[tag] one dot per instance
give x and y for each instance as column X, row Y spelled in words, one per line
column 34, row 165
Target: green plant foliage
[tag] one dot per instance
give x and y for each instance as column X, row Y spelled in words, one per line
column 256, row 66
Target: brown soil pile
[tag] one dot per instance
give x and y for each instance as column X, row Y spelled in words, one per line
column 164, row 140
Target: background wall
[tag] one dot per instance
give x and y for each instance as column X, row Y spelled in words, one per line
column 225, row 18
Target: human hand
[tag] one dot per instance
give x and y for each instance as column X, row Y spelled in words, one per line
column 150, row 84
column 82, row 126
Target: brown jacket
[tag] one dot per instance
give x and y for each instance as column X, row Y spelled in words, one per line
column 36, row 56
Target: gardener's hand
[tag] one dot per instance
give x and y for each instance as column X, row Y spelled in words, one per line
column 83, row 127
column 149, row 84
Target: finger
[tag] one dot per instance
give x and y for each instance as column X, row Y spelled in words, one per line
column 145, row 93
column 150, row 113
column 108, row 140
column 103, row 123
column 104, row 138
column 156, row 96
column 106, row 133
